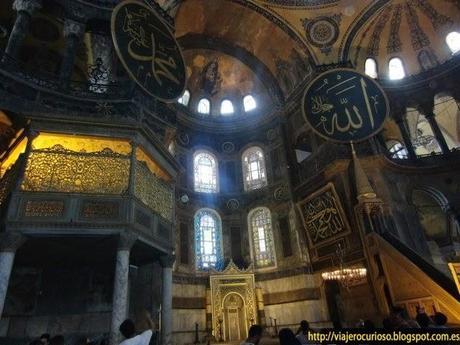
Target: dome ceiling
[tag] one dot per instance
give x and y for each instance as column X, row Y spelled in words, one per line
column 218, row 76
column 413, row 30
column 290, row 36
column 251, row 30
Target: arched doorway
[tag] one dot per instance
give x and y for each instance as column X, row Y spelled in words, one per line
column 234, row 317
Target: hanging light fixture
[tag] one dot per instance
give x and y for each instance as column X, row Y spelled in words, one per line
column 345, row 276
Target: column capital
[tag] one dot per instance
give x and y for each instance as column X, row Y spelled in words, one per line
column 73, row 28
column 126, row 240
column 11, row 241
column 167, row 261
column 28, row 6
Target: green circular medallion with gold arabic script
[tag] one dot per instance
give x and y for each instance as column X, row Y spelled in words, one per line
column 345, row 106
column 148, row 50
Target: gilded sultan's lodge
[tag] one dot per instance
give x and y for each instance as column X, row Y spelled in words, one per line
column 224, row 163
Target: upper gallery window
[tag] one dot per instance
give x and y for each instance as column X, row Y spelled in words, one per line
column 396, row 69
column 185, row 98
column 208, row 239
column 226, row 107
column 249, row 103
column 205, row 168
column 260, row 224
column 204, row 106
column 370, row 68
column 453, row 41
column 254, row 172
column 397, row 149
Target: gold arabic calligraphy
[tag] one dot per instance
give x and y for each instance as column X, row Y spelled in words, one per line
column 322, row 217
column 142, row 32
column 356, row 118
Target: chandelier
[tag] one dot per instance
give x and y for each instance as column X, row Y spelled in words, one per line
column 347, row 277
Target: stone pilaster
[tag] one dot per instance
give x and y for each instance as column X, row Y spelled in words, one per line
column 167, row 263
column 120, row 290
column 261, row 307
column 73, row 31
column 25, row 9
column 9, row 243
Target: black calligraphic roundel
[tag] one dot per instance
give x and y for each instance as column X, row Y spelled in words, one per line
column 345, row 106
column 148, row 50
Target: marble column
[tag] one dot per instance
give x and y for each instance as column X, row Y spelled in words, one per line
column 120, row 289
column 9, row 243
column 437, row 132
column 25, row 9
column 406, row 138
column 73, row 31
column 166, row 262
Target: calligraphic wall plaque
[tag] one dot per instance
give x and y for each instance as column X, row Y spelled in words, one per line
column 345, row 106
column 148, row 50
column 323, row 216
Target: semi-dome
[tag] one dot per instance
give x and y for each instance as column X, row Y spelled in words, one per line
column 406, row 37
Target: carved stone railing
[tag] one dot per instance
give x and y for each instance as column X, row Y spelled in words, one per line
column 46, row 81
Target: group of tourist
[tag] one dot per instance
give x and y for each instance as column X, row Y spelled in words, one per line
column 397, row 320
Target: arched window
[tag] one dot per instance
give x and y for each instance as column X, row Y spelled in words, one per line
column 208, row 239
column 226, row 107
column 254, row 173
column 370, row 68
column 205, row 168
column 453, row 41
column 396, row 69
column 397, row 150
column 249, row 103
column 185, row 98
column 204, row 106
column 261, row 234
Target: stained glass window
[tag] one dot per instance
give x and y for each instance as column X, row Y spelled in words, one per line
column 185, row 98
column 226, row 107
column 208, row 239
column 204, row 106
column 396, row 69
column 254, row 172
column 205, row 167
column 261, row 232
column 370, row 68
column 249, row 103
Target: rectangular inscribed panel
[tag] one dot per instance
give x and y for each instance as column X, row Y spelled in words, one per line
column 323, row 216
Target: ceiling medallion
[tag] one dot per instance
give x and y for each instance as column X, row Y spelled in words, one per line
column 322, row 32
column 183, row 138
column 228, row 147
column 345, row 106
column 281, row 193
column 233, row 204
column 148, row 50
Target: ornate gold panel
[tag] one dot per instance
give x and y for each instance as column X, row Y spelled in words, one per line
column 57, row 169
column 152, row 191
column 44, row 208
column 100, row 210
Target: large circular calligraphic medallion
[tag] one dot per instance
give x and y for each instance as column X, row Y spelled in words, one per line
column 345, row 106
column 148, row 50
